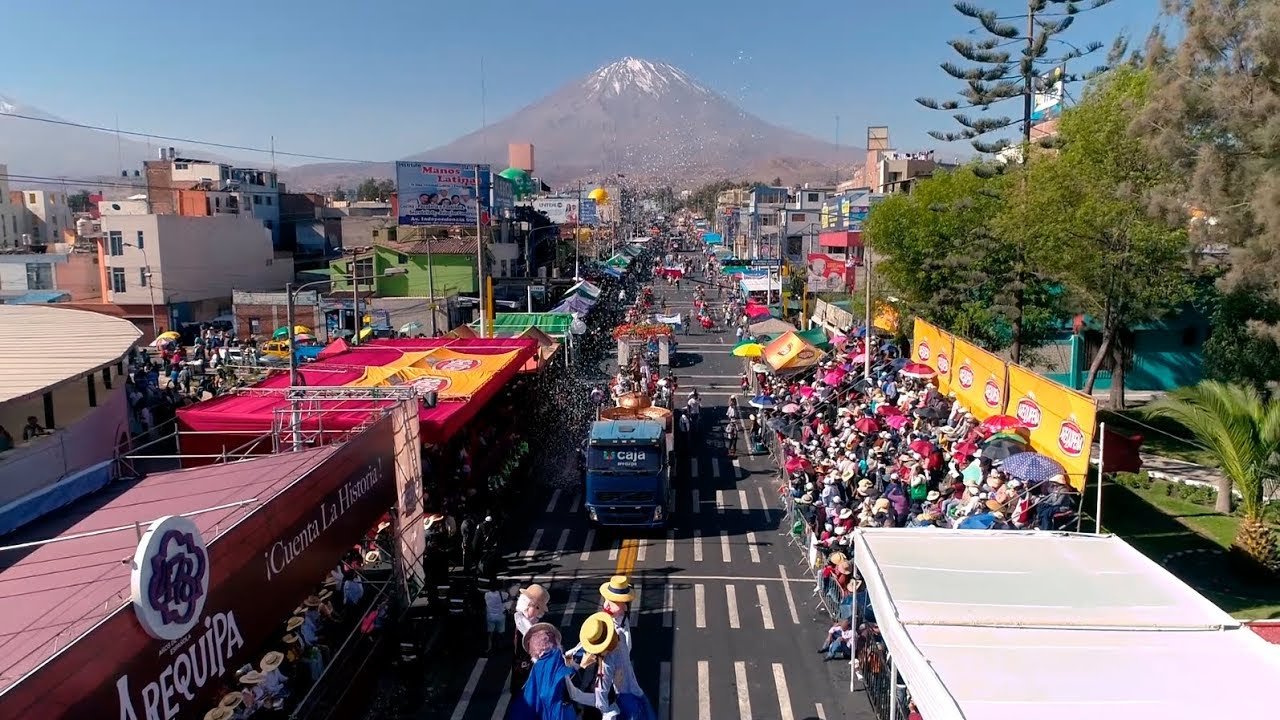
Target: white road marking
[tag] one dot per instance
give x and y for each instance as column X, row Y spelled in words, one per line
column 763, row 596
column 699, row 606
column 763, row 502
column 742, row 501
column 697, row 546
column 468, row 690
column 791, row 600
column 784, row 697
column 613, row 551
column 555, row 498
column 731, row 599
column 533, row 547
column 704, row 691
column 635, row 604
column 724, row 546
column 819, row 711
column 500, row 712
column 664, row 691
column 586, row 548
column 562, row 542
column 697, row 502
column 693, row 468
column 669, row 606
column 671, row 546
column 640, row 550
column 715, row 467
column 553, row 578
column 571, row 605
column 573, row 507
column 744, row 692
column 751, row 547
column 736, row 463
column 720, row 502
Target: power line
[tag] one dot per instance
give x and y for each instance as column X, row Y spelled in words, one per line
column 169, row 138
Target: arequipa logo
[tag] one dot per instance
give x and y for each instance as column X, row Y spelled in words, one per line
column 169, row 579
column 431, row 383
column 457, row 365
column 1028, row 412
column 944, row 363
column 965, row 375
column 1071, row 437
column 922, row 349
column 991, row 393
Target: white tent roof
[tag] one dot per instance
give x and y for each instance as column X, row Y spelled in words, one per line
column 761, row 284
column 991, row 625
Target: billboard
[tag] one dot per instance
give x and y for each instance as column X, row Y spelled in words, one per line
column 1062, row 421
column 440, row 194
column 827, row 274
column 848, row 211
column 502, row 194
column 565, row 210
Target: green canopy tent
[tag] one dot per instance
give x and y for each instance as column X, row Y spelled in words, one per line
column 584, row 289
column 618, row 261
column 632, row 250
column 511, row 324
column 816, row 337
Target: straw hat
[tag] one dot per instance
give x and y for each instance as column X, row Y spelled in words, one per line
column 330, row 581
column 325, row 595
column 933, row 496
column 218, row 713
column 299, row 610
column 806, row 499
column 231, row 700
column 290, row 639
column 538, row 628
column 253, row 677
column 836, row 558
column 846, row 513
column 597, row 634
column 271, row 661
column 312, row 601
column 618, row 589
column 538, row 596
column 881, row 504
column 293, row 624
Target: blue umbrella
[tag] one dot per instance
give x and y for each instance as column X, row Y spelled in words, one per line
column 1031, row 467
column 762, row 402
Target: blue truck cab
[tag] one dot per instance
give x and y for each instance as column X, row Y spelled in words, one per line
column 628, row 473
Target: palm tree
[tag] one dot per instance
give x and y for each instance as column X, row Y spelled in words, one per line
column 1242, row 430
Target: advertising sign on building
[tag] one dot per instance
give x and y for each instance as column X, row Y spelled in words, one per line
column 826, row 274
column 502, row 194
column 565, row 210
column 440, row 194
column 169, row 578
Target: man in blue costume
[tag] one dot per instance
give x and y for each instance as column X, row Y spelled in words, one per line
column 545, row 695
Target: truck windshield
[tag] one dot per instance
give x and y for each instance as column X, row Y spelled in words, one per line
column 628, row 459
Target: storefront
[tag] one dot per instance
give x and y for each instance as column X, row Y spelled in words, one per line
column 146, row 608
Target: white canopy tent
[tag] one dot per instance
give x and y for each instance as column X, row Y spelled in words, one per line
column 992, row 625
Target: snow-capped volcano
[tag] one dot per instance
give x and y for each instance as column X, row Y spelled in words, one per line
column 643, row 76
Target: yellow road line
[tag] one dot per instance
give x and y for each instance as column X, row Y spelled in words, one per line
column 627, row 556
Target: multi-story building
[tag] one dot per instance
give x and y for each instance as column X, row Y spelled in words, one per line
column 182, row 268
column 202, row 188
column 47, row 214
column 12, row 214
column 59, row 274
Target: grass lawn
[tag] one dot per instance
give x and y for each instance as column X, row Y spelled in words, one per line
column 1157, row 443
column 1190, row 540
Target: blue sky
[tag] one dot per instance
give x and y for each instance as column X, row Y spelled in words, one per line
column 386, row 78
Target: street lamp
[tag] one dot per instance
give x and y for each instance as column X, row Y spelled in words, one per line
column 295, row 414
column 151, row 291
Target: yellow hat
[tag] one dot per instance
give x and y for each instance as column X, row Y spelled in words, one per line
column 597, row 634
column 219, row 713
column 618, row 589
column 231, row 700
column 271, row 661
column 293, row 624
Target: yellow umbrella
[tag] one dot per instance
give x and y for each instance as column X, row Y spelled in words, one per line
column 169, row 335
column 748, row 349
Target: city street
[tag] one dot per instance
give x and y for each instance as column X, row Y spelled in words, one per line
column 725, row 623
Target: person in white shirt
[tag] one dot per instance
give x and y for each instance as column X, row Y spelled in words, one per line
column 495, row 614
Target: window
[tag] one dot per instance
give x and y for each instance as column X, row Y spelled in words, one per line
column 115, row 243
column 799, row 217
column 139, row 243
column 143, row 275
column 180, row 166
column 255, row 326
column 402, row 259
column 364, row 270
column 31, row 198
column 268, row 199
column 117, row 280
column 217, row 202
column 813, row 197
column 257, row 199
column 39, row 276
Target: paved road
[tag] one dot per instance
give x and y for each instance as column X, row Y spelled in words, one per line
column 725, row 622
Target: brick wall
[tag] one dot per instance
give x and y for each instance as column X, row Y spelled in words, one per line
column 268, row 317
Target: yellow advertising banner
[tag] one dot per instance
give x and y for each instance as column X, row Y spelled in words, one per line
column 978, row 379
column 934, row 347
column 791, row 352
column 1062, row 421
column 886, row 318
column 450, row 374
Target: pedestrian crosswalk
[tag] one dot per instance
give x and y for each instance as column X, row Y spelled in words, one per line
column 716, row 688
column 674, row 547
column 688, row 500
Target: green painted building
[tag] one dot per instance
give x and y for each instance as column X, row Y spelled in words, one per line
column 450, row 262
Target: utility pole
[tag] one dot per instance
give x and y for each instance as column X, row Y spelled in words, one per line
column 479, row 256
column 431, row 281
column 866, row 331
column 355, row 300
column 577, row 240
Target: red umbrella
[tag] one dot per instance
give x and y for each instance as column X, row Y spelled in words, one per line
column 921, row 447
column 866, row 425
column 796, row 462
column 896, row 421
column 1001, row 423
column 918, row 370
column 888, row 411
column 833, row 378
column 965, row 448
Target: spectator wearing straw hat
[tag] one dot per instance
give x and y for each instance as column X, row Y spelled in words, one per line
column 599, row 637
column 219, row 713
column 545, row 695
column 273, row 681
column 530, row 607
